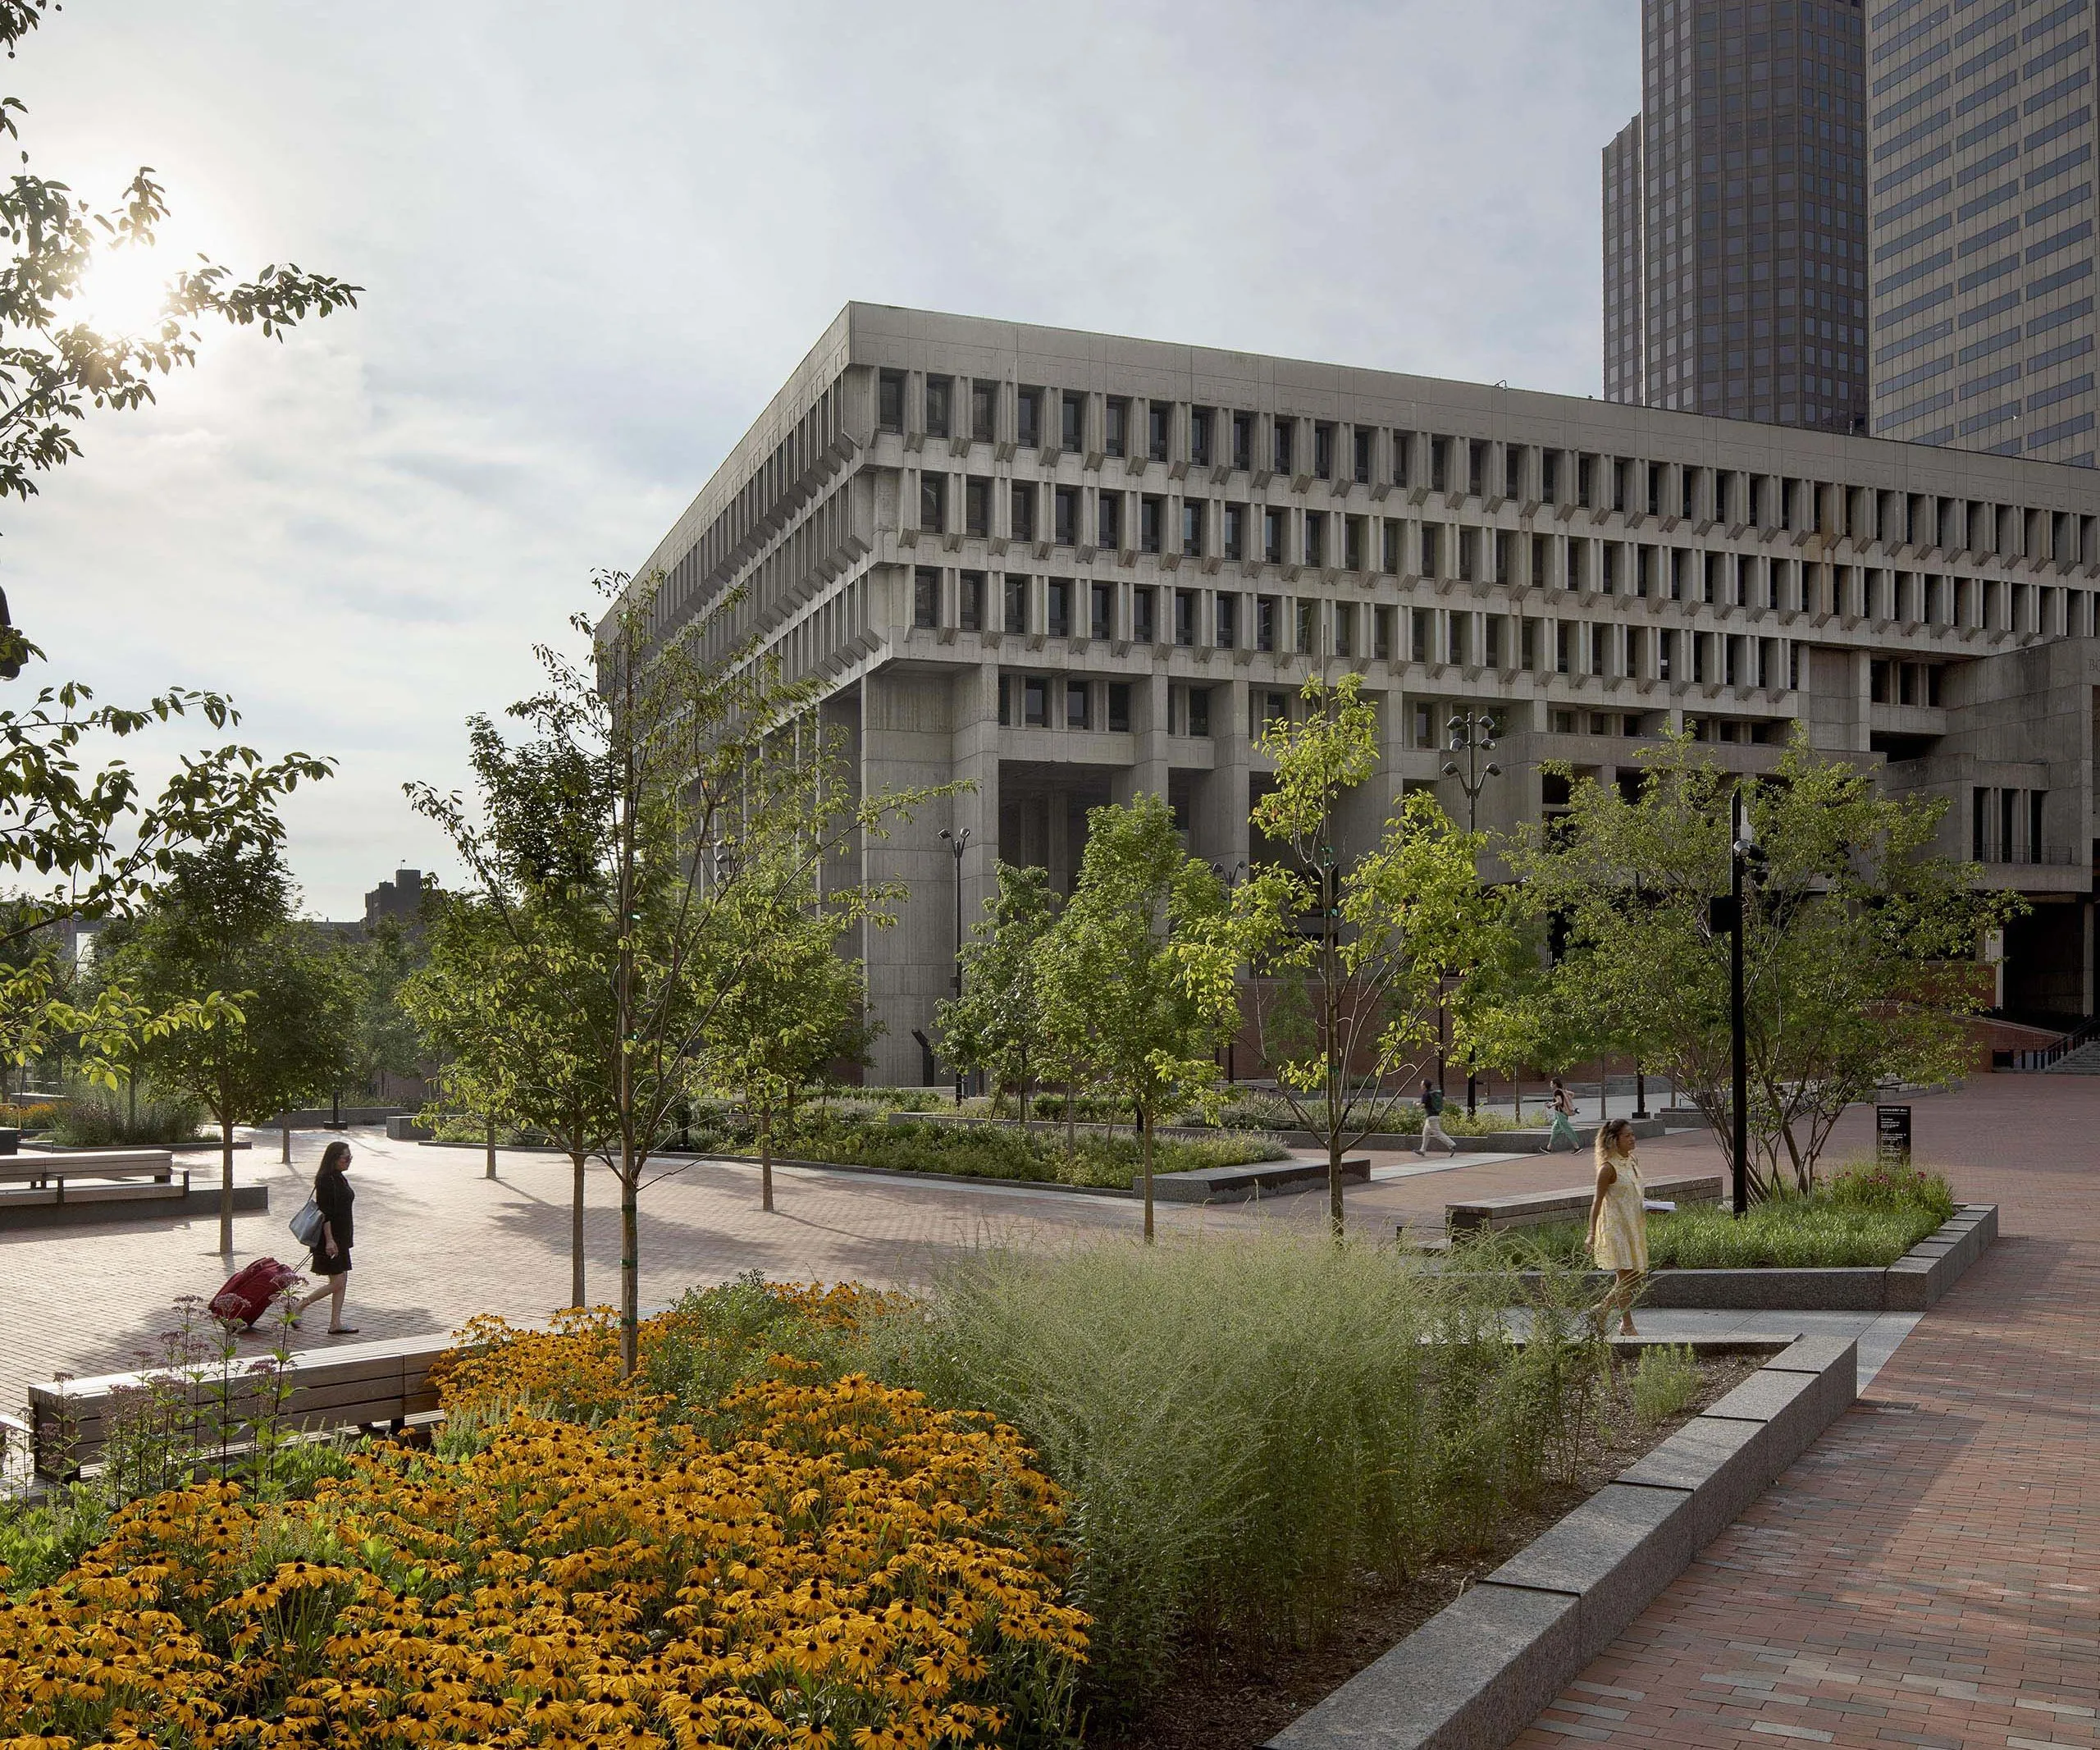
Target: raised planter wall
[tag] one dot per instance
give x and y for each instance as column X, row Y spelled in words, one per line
column 1477, row 1674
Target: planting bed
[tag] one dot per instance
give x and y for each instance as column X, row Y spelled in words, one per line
column 1221, row 1700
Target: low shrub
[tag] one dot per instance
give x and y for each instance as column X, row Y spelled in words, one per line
column 98, row 1119
column 1002, row 1151
column 1863, row 1217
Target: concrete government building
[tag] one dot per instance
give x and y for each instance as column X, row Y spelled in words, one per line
column 1071, row 568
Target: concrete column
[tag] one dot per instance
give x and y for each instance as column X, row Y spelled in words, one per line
column 1220, row 833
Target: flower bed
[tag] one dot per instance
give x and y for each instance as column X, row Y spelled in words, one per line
column 843, row 1565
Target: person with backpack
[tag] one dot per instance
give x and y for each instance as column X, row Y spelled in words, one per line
column 1562, row 1108
column 333, row 1197
column 1433, row 1120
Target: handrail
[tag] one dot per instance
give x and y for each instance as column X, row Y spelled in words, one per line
column 2084, row 1034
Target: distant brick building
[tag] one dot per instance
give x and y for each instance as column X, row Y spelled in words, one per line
column 401, row 898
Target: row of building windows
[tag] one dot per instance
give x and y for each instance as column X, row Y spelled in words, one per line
column 2008, row 826
column 1019, row 604
column 1456, row 466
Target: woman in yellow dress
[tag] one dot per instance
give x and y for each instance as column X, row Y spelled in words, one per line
column 1618, row 1220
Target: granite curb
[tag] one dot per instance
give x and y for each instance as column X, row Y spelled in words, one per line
column 1914, row 1282
column 199, row 1201
column 1477, row 1674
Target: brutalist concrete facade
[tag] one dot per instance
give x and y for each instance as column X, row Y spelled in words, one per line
column 1982, row 131
column 1070, row 568
column 1742, row 274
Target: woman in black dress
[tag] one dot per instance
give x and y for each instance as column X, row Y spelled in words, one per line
column 331, row 1254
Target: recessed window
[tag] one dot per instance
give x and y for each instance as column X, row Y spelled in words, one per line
column 1144, row 614
column 1071, row 418
column 939, row 392
column 1035, row 702
column 1058, row 607
column 1323, row 451
column 1028, row 417
column 1200, row 710
column 1101, row 614
column 1151, row 513
column 1119, row 706
column 1272, row 537
column 925, row 598
column 1199, row 436
column 1266, row 612
column 932, row 502
column 1235, row 531
column 1017, row 603
column 1024, row 511
column 1345, row 628
column 1191, row 529
column 1067, row 508
column 970, row 607
column 1243, row 440
column 1116, row 424
column 1316, row 538
column 1361, row 440
column 1157, row 415
column 977, row 507
column 984, row 411
column 1226, row 611
column 1109, row 521
column 1185, row 617
column 889, row 401
column 1077, row 696
column 1308, row 624
column 1280, row 452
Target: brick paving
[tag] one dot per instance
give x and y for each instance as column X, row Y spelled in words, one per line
column 1929, row 1574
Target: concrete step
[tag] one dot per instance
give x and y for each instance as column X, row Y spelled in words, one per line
column 2084, row 1061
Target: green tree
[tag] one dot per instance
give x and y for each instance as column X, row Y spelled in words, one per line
column 385, row 1039
column 1141, row 966
column 523, row 1034
column 1859, row 943
column 680, row 786
column 224, row 926
column 996, row 1025
column 1350, row 955
column 791, row 1011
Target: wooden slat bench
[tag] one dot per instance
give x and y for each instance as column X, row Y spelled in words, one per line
column 353, row 1385
column 93, row 1176
column 1536, row 1208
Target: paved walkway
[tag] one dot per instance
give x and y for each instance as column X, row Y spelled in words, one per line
column 1929, row 1574
column 437, row 1242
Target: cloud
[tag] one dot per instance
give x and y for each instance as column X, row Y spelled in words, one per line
column 593, row 243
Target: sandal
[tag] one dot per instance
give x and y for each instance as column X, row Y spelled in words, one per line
column 342, row 1329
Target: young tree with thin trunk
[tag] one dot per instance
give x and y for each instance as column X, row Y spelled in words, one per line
column 224, row 925
column 519, row 1034
column 680, row 786
column 1140, row 962
column 996, row 1025
column 1350, row 955
column 1859, row 943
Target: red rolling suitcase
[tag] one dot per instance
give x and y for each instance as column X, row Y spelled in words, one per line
column 249, row 1290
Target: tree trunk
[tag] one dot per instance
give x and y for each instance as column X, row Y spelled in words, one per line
column 226, row 1186
column 1334, row 1181
column 1024, row 1108
column 765, row 1163
column 1072, row 1131
column 630, row 1260
column 489, row 1170
column 576, row 1233
column 1603, row 1091
column 287, row 1135
column 1144, row 1162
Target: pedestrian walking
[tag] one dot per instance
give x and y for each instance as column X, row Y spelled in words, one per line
column 1618, row 1221
column 1433, row 1120
column 1562, row 1108
column 331, row 1251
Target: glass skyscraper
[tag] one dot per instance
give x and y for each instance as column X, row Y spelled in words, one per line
column 1736, row 256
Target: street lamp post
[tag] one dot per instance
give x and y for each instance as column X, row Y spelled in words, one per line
column 1231, row 878
column 1727, row 914
column 1472, row 732
column 958, row 843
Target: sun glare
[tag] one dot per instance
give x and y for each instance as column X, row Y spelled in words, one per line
column 122, row 292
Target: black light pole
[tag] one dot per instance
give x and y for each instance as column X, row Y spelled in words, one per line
column 1231, row 878
column 1739, row 847
column 958, row 843
column 1472, row 733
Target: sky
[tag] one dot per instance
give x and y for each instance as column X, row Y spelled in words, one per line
column 594, row 241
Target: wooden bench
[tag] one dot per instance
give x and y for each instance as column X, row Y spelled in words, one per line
column 352, row 1385
column 93, row 1176
column 1536, row 1208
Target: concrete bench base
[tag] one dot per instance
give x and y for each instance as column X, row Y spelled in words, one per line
column 1256, row 1179
column 87, row 1203
column 1539, row 1208
column 1477, row 1674
column 1915, row 1281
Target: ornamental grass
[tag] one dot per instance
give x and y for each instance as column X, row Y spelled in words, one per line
column 842, row 1566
